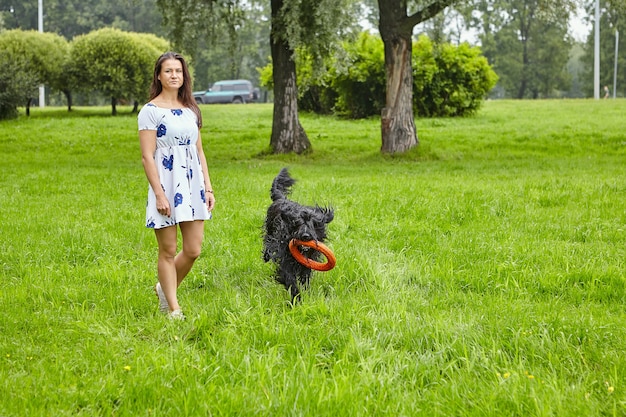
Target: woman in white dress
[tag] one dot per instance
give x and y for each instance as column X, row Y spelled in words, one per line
column 180, row 192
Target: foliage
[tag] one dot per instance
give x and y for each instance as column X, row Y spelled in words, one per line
column 449, row 80
column 215, row 55
column 225, row 39
column 119, row 64
column 155, row 44
column 315, row 25
column 359, row 83
column 220, row 57
column 266, row 76
column 536, row 66
column 36, row 58
column 15, row 87
column 314, row 85
column 482, row 274
column 527, row 43
column 70, row 18
column 43, row 53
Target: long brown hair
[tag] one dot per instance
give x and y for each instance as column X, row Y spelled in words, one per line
column 185, row 94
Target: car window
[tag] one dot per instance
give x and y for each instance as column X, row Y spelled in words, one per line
column 216, row 88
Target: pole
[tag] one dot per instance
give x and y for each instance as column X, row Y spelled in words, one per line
column 42, row 88
column 615, row 66
column 596, row 54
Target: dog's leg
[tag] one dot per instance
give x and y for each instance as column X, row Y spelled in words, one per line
column 290, row 282
column 295, row 296
column 304, row 276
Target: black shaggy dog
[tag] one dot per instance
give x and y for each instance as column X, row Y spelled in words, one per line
column 288, row 220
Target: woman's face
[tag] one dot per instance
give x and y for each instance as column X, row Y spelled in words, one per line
column 171, row 75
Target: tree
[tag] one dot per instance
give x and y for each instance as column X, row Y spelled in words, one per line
column 313, row 25
column 239, row 54
column 15, row 87
column 41, row 55
column 223, row 39
column 359, row 84
column 288, row 135
column 396, row 29
column 16, row 14
column 533, row 65
column 527, row 41
column 71, row 18
column 120, row 63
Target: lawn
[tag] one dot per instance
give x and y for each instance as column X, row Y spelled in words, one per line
column 481, row 274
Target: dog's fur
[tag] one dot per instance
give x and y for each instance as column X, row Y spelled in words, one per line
column 287, row 220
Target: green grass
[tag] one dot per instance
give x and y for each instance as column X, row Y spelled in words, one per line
column 480, row 274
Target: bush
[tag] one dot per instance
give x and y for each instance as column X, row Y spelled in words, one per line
column 359, row 83
column 449, row 80
column 29, row 58
column 118, row 64
column 17, row 84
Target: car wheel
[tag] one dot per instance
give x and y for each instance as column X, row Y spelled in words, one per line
column 198, row 101
column 237, row 100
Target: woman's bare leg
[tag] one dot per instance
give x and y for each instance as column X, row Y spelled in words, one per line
column 172, row 267
column 193, row 233
column 166, row 265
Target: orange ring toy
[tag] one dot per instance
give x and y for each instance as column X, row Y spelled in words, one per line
column 309, row 263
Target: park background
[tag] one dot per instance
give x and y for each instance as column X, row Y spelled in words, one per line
column 550, row 48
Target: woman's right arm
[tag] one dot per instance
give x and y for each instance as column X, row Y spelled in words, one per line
column 147, row 141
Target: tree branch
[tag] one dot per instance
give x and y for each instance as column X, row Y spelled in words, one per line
column 428, row 12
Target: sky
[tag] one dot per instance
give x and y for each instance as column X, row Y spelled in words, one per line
column 580, row 30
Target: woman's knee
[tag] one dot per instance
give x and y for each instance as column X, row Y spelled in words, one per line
column 192, row 251
column 167, row 241
column 167, row 253
column 193, row 233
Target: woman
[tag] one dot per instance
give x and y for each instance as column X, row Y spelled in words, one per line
column 180, row 192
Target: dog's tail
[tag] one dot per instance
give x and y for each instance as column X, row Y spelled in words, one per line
column 281, row 187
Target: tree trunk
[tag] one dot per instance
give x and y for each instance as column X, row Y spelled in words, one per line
column 288, row 135
column 521, row 92
column 525, row 21
column 28, row 102
column 135, row 107
column 396, row 28
column 397, row 123
column 68, row 96
column 113, row 108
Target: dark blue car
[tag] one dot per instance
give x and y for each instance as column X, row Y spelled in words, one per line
column 228, row 91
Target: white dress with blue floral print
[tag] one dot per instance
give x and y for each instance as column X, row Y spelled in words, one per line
column 177, row 162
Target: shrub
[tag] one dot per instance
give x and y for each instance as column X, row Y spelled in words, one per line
column 29, row 58
column 359, row 81
column 118, row 64
column 449, row 80
column 17, row 84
